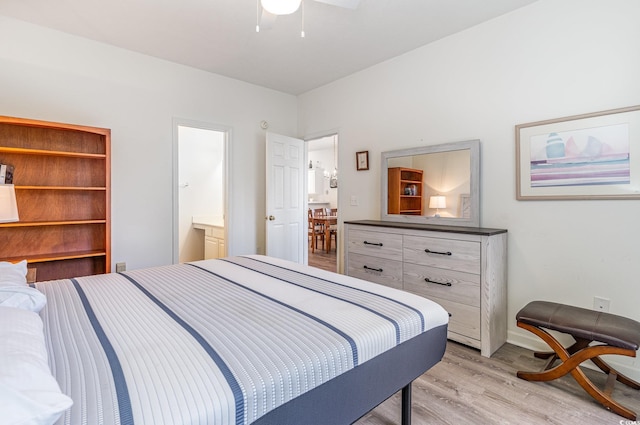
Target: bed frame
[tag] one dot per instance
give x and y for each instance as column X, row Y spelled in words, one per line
column 348, row 397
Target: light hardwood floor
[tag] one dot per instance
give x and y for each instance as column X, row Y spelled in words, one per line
column 323, row 260
column 465, row 388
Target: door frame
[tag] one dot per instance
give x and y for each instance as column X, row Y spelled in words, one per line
column 175, row 194
column 307, row 139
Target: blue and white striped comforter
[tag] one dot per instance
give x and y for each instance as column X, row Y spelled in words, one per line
column 216, row 341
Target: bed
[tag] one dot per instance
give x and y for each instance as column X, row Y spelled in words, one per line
column 240, row 340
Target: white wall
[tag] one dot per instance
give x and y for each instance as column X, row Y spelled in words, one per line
column 551, row 59
column 49, row 75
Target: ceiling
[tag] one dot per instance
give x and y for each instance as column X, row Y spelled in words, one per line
column 220, row 36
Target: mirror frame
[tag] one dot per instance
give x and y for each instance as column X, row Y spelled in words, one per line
column 472, row 221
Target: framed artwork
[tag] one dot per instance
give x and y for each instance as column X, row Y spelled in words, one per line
column 362, row 160
column 590, row 156
column 465, row 205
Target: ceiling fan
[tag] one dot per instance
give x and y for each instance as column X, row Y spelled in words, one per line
column 271, row 9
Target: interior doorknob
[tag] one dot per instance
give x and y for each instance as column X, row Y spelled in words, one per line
column 271, row 218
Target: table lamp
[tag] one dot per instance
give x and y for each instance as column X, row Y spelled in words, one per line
column 437, row 202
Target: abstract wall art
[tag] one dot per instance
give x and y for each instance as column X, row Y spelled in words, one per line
column 590, row 156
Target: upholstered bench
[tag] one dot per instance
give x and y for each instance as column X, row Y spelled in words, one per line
column 615, row 335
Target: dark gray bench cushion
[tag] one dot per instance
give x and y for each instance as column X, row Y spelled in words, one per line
column 582, row 323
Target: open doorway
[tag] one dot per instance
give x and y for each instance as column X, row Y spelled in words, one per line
column 322, row 193
column 200, row 188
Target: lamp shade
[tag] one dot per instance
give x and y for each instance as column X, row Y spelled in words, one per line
column 280, row 7
column 438, row 201
column 8, row 205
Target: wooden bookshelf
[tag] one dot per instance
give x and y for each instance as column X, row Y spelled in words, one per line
column 63, row 191
column 404, row 191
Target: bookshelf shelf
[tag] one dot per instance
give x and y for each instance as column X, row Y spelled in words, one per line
column 34, row 259
column 44, row 152
column 50, row 223
column 58, row 188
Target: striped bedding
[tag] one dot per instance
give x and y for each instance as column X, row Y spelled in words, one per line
column 216, row 341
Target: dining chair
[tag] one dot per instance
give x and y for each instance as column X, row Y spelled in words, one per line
column 314, row 232
column 319, row 212
column 333, row 234
column 333, row 228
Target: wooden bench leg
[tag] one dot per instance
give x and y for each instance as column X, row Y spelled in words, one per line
column 602, row 365
column 619, row 376
column 570, row 362
column 577, row 346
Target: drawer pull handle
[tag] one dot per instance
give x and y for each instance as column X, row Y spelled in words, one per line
column 371, row 268
column 373, row 243
column 437, row 252
column 426, row 279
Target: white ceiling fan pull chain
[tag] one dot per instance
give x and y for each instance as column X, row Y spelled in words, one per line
column 257, row 15
column 302, row 30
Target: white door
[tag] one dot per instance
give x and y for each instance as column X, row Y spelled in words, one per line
column 285, row 216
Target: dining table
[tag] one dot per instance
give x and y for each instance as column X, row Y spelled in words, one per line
column 326, row 221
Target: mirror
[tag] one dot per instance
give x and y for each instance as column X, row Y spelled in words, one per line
column 436, row 184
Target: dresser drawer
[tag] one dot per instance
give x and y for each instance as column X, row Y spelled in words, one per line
column 379, row 270
column 464, row 319
column 463, row 288
column 377, row 244
column 449, row 254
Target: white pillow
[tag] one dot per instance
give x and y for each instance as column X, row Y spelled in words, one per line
column 23, row 297
column 13, row 274
column 14, row 291
column 29, row 394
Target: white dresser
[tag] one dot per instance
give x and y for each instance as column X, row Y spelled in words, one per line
column 464, row 269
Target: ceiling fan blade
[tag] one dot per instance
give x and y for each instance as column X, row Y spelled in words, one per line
column 348, row 4
column 267, row 20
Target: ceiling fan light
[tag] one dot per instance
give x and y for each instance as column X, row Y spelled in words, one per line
column 280, row 7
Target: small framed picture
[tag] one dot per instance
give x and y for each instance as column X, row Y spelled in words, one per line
column 362, row 160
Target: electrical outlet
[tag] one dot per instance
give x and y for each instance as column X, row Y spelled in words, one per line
column 120, row 267
column 354, row 201
column 601, row 304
